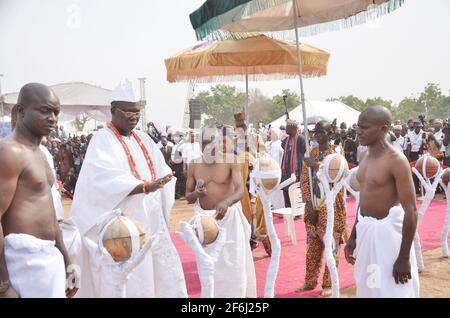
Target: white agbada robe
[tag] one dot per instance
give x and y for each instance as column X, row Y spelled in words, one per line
column 377, row 248
column 276, row 152
column 234, row 272
column 103, row 185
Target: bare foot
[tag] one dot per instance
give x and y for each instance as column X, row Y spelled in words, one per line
column 304, row 288
column 326, row 292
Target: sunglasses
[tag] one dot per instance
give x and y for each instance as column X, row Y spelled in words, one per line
column 130, row 114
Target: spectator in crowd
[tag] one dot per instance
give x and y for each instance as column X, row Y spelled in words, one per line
column 397, row 139
column 166, row 148
column 294, row 147
column 176, row 163
column 191, row 150
column 63, row 133
column 438, row 138
column 446, row 144
column 350, row 148
column 416, row 141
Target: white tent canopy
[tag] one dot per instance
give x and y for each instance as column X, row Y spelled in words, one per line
column 76, row 98
column 328, row 110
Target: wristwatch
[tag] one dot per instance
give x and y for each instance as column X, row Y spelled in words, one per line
column 4, row 286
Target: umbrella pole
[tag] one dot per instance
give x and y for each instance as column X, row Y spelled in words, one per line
column 302, row 95
column 246, row 102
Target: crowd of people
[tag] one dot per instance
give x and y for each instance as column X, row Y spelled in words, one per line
column 123, row 170
column 68, row 155
column 180, row 146
column 413, row 139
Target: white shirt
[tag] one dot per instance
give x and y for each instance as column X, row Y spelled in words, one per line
column 415, row 140
column 191, row 151
column 399, row 143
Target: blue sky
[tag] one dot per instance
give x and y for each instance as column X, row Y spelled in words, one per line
column 40, row 41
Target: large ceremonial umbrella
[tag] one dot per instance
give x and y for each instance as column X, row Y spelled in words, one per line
column 224, row 18
column 254, row 58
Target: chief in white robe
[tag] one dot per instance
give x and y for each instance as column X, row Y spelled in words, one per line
column 104, row 185
column 234, row 272
column 377, row 248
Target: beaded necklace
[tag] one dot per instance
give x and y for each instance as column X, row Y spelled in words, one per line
column 130, row 157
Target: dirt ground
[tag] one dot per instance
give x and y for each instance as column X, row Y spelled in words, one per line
column 434, row 280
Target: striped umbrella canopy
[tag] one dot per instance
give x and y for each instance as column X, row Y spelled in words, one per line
column 219, row 18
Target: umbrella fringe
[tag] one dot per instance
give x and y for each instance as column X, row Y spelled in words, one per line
column 357, row 19
column 212, row 28
column 240, row 78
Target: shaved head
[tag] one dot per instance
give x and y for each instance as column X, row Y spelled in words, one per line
column 373, row 125
column 36, row 111
column 36, row 93
column 378, row 115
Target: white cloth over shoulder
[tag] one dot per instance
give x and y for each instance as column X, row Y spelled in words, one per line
column 234, row 273
column 104, row 184
column 377, row 248
column 36, row 267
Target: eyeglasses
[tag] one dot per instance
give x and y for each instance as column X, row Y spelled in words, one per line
column 130, row 114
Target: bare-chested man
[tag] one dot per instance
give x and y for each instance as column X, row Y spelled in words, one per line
column 380, row 243
column 214, row 184
column 33, row 259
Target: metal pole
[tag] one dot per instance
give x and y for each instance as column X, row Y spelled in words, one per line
column 299, row 70
column 143, row 103
column 302, row 95
column 247, row 101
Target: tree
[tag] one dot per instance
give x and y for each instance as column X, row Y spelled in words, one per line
column 278, row 107
column 220, row 103
column 431, row 101
column 352, row 101
column 80, row 121
column 407, row 108
column 260, row 107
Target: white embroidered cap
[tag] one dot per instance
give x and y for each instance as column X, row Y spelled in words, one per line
column 124, row 92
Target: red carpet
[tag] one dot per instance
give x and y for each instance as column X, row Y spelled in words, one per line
column 292, row 264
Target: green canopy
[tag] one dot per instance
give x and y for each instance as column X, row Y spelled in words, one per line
column 213, row 8
column 224, row 18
